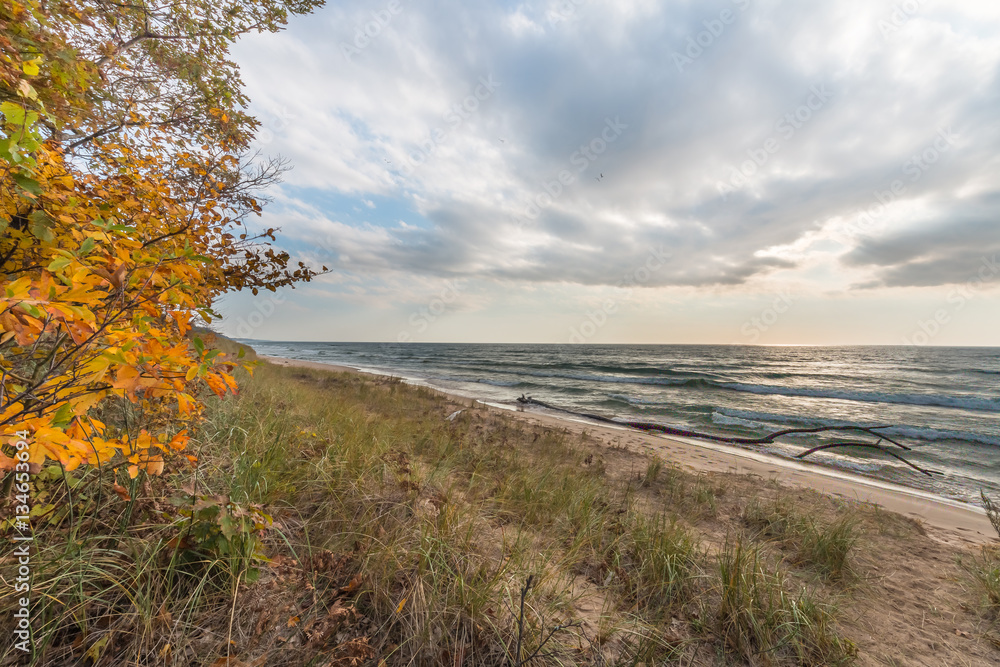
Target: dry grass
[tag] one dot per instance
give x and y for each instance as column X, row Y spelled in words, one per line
column 404, row 537
column 984, row 569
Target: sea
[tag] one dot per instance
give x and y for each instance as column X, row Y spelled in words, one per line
column 942, row 402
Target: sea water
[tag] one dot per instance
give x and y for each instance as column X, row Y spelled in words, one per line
column 942, row 402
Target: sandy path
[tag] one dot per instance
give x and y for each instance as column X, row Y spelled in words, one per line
column 945, row 520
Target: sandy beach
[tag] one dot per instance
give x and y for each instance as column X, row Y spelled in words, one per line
column 945, row 520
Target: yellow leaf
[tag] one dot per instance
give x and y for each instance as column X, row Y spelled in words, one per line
column 95, row 650
column 402, row 603
column 30, row 67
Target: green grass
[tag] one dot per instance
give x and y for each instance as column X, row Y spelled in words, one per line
column 653, row 471
column 992, row 508
column 828, row 545
column 760, row 621
column 984, row 571
column 825, row 545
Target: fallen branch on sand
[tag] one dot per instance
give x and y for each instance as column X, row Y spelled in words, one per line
column 763, row 440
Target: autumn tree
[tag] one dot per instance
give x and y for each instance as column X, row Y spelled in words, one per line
column 126, row 188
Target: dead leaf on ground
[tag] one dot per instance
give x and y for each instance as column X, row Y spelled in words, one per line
column 352, row 653
column 354, row 585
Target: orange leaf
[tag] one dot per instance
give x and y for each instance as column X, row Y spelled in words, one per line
column 152, row 464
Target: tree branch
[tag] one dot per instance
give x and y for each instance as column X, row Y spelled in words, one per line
column 763, row 440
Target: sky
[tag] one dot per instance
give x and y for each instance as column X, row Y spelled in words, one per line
column 633, row 171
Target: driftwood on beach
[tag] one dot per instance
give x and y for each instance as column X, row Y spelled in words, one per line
column 770, row 438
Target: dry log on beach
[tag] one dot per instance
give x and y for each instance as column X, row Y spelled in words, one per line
column 770, row 438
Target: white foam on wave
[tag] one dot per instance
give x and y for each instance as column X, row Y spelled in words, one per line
column 915, row 432
column 937, row 400
column 726, row 420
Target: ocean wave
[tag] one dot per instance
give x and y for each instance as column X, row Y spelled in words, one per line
column 938, row 434
column 493, row 383
column 711, row 384
column 854, row 466
column 936, row 400
column 633, row 400
column 501, row 383
column 726, row 420
column 624, row 379
column 904, row 431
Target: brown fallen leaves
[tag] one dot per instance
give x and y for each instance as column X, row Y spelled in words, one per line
column 306, row 606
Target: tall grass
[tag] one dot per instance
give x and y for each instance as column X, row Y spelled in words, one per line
column 822, row 544
column 992, row 508
column 402, row 535
column 760, row 622
column 984, row 569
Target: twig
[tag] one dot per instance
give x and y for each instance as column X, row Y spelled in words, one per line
column 232, row 614
column 518, row 662
column 520, row 621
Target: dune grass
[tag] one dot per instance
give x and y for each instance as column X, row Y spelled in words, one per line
column 983, row 569
column 759, row 620
column 821, row 544
column 334, row 519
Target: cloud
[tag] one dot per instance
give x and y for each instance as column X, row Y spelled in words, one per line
column 404, row 119
column 949, row 248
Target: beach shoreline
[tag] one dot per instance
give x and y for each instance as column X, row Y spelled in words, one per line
column 946, row 520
